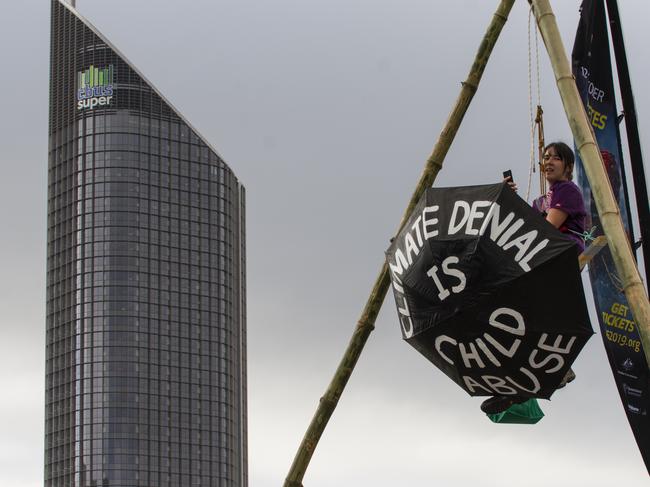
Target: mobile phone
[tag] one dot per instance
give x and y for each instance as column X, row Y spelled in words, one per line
column 508, row 174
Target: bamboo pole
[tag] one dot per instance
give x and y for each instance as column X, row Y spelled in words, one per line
column 608, row 210
column 366, row 323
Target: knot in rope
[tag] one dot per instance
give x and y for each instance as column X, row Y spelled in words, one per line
column 585, row 236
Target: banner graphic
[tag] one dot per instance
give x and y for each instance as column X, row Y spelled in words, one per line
column 593, row 74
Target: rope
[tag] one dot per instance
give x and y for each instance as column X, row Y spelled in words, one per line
column 530, row 110
column 613, row 277
column 539, row 119
column 535, row 116
column 539, row 92
column 585, row 236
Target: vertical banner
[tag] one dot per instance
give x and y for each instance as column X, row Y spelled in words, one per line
column 593, row 74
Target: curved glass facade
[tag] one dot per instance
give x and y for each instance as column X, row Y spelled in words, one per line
column 146, row 357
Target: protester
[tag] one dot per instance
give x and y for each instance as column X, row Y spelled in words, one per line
column 563, row 207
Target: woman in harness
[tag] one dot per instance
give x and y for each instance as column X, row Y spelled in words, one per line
column 563, row 207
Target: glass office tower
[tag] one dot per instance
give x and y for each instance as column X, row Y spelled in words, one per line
column 146, row 357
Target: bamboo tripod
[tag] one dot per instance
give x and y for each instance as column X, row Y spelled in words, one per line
column 595, row 171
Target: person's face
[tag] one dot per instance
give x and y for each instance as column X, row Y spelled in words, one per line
column 554, row 168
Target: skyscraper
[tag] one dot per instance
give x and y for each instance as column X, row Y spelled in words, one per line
column 146, row 356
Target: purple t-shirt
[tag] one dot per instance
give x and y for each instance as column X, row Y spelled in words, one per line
column 565, row 196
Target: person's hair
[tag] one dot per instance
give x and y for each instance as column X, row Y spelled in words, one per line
column 566, row 154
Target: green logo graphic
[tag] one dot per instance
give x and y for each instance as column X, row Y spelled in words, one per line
column 95, row 87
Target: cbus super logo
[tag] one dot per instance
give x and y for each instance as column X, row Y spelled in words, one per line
column 94, row 87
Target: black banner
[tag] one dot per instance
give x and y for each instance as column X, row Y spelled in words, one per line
column 471, row 271
column 593, row 74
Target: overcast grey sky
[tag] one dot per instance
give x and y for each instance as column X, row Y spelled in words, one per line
column 326, row 110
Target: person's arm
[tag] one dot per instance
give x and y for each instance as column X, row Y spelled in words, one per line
column 556, row 217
